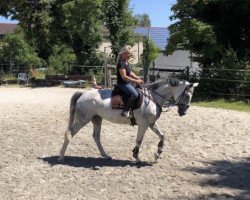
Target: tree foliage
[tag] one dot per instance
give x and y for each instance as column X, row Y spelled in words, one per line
column 7, row 7
column 34, row 18
column 79, row 23
column 74, row 24
column 120, row 22
column 60, row 59
column 218, row 33
column 150, row 53
column 15, row 48
column 142, row 20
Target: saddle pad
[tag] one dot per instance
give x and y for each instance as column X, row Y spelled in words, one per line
column 117, row 102
column 117, row 99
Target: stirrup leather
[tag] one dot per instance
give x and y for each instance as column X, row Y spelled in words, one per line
column 126, row 113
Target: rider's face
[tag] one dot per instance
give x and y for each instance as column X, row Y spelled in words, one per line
column 127, row 55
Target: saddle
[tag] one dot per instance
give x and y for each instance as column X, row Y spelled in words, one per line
column 119, row 98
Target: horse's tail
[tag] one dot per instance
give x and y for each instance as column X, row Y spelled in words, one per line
column 73, row 101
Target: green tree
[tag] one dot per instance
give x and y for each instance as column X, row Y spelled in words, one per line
column 208, row 27
column 119, row 20
column 142, row 20
column 60, row 60
column 150, row 52
column 192, row 34
column 34, row 18
column 226, row 75
column 217, row 32
column 16, row 48
column 7, row 7
column 78, row 24
column 74, row 23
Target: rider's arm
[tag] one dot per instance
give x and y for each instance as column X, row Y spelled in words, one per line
column 133, row 75
column 129, row 78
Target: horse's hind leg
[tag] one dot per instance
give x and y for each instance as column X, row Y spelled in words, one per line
column 97, row 123
column 78, row 124
column 156, row 129
column 67, row 138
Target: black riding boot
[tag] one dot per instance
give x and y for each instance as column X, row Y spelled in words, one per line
column 129, row 105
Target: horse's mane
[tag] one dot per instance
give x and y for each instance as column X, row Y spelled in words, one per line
column 157, row 84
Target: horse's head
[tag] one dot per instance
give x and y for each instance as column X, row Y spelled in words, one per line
column 173, row 92
column 183, row 95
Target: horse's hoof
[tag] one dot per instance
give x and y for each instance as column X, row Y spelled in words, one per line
column 60, row 160
column 137, row 161
column 157, row 156
column 108, row 158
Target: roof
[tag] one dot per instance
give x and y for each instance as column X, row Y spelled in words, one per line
column 158, row 35
column 7, row 28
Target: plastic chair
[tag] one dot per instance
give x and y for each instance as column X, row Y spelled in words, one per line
column 22, row 77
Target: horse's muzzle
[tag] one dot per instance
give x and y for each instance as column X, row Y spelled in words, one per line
column 182, row 110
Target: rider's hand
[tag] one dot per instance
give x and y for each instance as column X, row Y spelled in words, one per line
column 138, row 82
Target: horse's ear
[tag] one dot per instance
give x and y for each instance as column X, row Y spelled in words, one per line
column 193, row 85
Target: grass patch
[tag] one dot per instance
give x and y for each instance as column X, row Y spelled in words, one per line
column 221, row 103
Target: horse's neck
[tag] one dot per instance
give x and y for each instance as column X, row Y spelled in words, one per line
column 162, row 94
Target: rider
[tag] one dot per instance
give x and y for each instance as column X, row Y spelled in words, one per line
column 126, row 79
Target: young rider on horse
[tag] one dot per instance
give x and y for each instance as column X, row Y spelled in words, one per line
column 126, row 79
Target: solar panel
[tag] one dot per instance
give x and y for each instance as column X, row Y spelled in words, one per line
column 158, row 35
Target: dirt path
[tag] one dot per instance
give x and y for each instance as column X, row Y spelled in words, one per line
column 207, row 154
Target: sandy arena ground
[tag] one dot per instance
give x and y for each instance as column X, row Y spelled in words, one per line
column 207, row 153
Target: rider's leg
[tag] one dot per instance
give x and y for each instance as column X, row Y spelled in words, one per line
column 133, row 95
column 128, row 106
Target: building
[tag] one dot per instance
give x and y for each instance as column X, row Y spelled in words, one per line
column 163, row 65
column 6, row 28
column 179, row 62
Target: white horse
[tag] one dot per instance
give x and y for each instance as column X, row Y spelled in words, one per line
column 95, row 105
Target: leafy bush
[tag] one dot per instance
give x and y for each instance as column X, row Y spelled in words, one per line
column 150, row 52
column 60, row 60
column 14, row 47
column 228, row 76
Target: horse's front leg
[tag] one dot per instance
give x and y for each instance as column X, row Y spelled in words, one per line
column 156, row 129
column 140, row 134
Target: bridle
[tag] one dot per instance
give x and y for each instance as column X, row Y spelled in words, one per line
column 177, row 102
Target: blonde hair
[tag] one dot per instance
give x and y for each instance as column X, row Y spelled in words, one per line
column 125, row 49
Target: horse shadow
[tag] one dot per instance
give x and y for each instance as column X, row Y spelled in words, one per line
column 93, row 163
column 234, row 175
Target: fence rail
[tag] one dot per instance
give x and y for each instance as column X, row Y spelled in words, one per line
column 228, row 80
column 223, row 94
